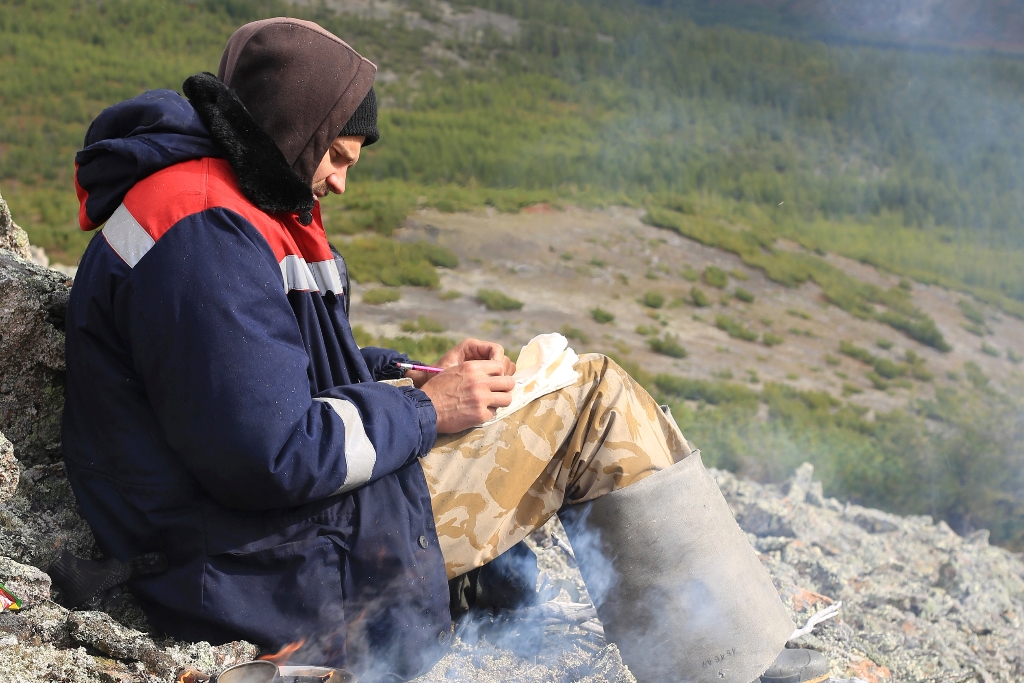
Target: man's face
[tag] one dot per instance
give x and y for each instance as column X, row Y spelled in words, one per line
column 330, row 174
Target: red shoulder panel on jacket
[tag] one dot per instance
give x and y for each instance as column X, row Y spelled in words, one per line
column 166, row 197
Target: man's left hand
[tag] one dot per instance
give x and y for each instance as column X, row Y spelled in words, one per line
column 466, row 350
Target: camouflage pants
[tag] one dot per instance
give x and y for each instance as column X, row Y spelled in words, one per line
column 492, row 485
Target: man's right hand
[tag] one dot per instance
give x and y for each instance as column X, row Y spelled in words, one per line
column 468, row 394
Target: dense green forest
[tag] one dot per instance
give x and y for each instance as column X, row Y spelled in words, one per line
column 915, row 158
column 911, row 161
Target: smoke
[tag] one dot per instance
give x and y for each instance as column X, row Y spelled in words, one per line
column 548, row 632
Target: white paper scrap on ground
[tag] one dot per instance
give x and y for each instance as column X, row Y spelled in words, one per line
column 545, row 365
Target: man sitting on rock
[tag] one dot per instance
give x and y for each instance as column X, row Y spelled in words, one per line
column 220, row 412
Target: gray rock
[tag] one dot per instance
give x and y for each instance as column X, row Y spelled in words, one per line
column 12, row 237
column 98, row 630
column 33, row 305
column 10, row 473
column 873, row 521
column 31, row 585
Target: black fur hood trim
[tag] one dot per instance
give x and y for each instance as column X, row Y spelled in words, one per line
column 263, row 174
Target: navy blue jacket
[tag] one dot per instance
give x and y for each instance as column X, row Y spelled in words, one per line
column 218, row 410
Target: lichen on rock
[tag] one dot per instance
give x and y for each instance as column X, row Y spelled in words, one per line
column 33, row 305
column 12, row 237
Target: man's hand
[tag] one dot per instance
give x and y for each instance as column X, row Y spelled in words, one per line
column 475, row 349
column 468, row 394
column 470, row 349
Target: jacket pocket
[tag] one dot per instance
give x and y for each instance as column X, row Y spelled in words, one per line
column 279, row 594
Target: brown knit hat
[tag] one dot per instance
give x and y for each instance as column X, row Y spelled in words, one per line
column 299, row 82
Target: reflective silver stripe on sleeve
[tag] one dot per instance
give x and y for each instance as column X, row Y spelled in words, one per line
column 327, row 277
column 126, row 237
column 296, row 275
column 360, row 455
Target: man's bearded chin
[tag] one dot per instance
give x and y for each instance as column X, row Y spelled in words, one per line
column 320, row 189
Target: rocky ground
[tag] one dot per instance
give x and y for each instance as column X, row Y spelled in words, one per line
column 919, row 603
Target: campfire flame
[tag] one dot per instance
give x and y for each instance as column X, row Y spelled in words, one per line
column 285, row 653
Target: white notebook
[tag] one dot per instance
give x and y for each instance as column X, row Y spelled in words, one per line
column 545, row 365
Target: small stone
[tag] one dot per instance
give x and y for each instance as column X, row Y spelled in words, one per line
column 797, row 486
column 872, row 521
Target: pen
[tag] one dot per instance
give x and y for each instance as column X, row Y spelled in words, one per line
column 424, row 368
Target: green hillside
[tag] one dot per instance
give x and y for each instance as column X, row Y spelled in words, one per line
column 910, row 161
column 888, row 149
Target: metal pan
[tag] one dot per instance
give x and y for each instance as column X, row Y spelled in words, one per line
column 262, row 671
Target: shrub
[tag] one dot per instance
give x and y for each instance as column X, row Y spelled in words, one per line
column 700, row 299
column 971, row 313
column 974, row 329
column 1013, row 356
column 646, row 330
column 422, row 324
column 381, row 295
column 889, row 370
column 798, row 314
column 917, row 369
column 771, row 339
column 426, row 349
column 990, row 350
column 832, row 360
column 574, row 333
column 734, row 329
column 975, row 376
column 739, row 274
column 850, row 390
column 920, row 372
column 450, row 295
column 601, row 316
column 743, row 295
column 668, row 346
column 921, row 329
column 497, row 301
column 850, row 349
column 713, row 393
column 396, row 263
column 883, row 344
column 438, row 256
column 652, row 300
column 716, row 277
column 879, row 383
column 690, row 274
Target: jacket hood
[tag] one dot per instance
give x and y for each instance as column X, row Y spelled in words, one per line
column 130, row 141
column 300, row 82
column 138, row 137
